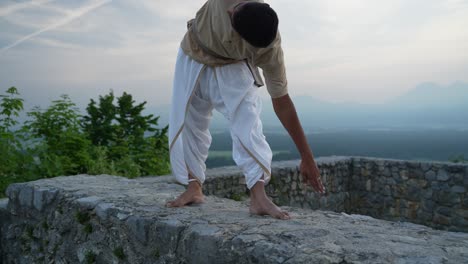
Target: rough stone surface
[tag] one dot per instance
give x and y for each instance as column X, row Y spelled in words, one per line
column 118, row 220
column 414, row 191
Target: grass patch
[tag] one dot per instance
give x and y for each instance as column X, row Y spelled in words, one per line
column 119, row 253
column 238, row 197
column 90, row 257
column 156, row 253
column 82, row 217
column 29, row 231
column 45, row 225
column 88, row 228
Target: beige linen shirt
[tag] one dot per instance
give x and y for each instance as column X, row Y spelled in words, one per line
column 215, row 32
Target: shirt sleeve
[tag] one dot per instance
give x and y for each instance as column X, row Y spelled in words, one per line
column 271, row 61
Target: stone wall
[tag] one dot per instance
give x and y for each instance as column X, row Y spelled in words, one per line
column 286, row 186
column 109, row 219
column 429, row 193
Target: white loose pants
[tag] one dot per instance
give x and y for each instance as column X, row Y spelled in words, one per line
column 230, row 89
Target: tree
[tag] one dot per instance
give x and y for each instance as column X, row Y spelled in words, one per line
column 61, row 146
column 132, row 140
column 15, row 161
column 99, row 121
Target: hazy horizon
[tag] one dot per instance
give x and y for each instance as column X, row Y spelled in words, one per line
column 355, row 51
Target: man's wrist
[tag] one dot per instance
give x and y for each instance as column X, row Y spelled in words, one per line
column 307, row 156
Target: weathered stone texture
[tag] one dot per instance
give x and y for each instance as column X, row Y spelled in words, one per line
column 117, row 220
column 425, row 186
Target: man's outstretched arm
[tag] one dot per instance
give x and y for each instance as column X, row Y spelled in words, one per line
column 286, row 113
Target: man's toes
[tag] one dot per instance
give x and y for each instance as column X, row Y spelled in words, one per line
column 284, row 215
column 173, row 203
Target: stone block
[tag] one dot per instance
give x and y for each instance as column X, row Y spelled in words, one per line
column 424, row 217
column 430, row 175
column 447, row 198
column 456, row 168
column 441, row 220
column 458, row 189
column 428, row 205
column 465, row 201
column 391, row 181
column 25, row 196
column 462, row 213
column 416, row 173
column 404, row 174
column 460, row 222
column 12, row 191
column 425, row 166
column 446, row 211
column 103, row 210
column 365, row 172
column 88, row 202
column 139, row 226
column 414, row 193
column 368, row 185
column 39, row 198
column 387, row 191
column 427, row 194
column 442, row 175
column 387, row 172
column 458, row 178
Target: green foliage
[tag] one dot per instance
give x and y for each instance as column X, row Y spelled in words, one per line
column 99, row 121
column 82, row 217
column 62, row 149
column 156, row 253
column 119, row 253
column 15, row 161
column 238, row 197
column 88, row 228
column 114, row 137
column 117, row 126
column 11, row 106
column 459, row 159
column 45, row 225
column 90, row 257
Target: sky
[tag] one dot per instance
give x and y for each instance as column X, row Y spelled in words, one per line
column 366, row 51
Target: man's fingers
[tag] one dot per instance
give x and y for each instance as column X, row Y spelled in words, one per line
column 318, row 185
column 322, row 188
column 314, row 182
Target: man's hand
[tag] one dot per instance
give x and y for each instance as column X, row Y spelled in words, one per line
column 311, row 175
column 286, row 112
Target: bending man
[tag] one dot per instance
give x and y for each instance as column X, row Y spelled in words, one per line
column 216, row 68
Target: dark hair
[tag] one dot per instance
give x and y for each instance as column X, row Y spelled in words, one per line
column 257, row 23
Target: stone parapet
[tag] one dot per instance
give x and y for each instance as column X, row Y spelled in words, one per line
column 422, row 192
column 110, row 219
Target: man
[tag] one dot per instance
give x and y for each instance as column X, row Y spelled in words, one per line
column 216, row 68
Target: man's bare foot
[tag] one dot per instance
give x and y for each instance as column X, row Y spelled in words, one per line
column 261, row 205
column 193, row 195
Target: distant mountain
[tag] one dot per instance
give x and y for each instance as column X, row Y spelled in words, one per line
column 428, row 105
column 432, row 95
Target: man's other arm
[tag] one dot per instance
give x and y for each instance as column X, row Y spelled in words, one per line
column 286, row 113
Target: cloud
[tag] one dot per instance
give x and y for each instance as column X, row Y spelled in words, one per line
column 20, row 6
column 69, row 18
column 359, row 49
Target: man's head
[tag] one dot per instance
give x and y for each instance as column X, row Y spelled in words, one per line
column 255, row 22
